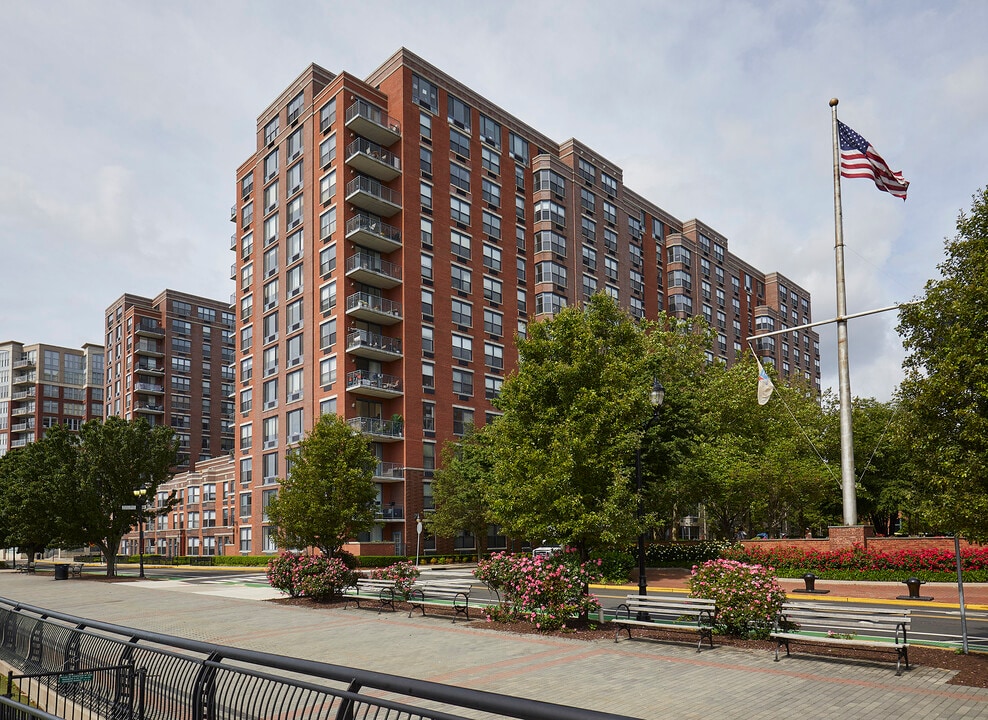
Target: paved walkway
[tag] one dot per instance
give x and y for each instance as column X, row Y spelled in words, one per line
column 640, row 678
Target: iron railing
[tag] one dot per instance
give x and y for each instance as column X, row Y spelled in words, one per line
column 192, row 680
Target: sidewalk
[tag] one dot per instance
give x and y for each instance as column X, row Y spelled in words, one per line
column 640, row 678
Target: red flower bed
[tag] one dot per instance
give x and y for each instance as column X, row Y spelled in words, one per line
column 860, row 558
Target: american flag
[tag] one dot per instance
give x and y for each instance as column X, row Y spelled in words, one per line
column 858, row 159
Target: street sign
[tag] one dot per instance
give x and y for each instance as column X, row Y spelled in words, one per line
column 74, row 678
column 128, row 507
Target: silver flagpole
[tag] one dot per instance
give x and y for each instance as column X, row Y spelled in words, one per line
column 843, row 364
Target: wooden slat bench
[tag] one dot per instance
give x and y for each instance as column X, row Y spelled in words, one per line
column 454, row 594
column 667, row 613
column 831, row 624
column 380, row 591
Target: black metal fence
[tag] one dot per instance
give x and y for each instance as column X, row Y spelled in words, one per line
column 191, row 680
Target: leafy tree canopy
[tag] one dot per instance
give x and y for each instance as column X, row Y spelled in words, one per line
column 328, row 496
column 945, row 389
column 458, row 488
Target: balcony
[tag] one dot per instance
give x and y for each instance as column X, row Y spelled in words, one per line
column 390, row 512
column 25, row 410
column 372, row 345
column 147, row 407
column 372, row 159
column 370, row 232
column 22, row 427
column 149, row 388
column 378, row 385
column 372, row 123
column 233, row 213
column 149, row 328
column 372, row 270
column 370, row 195
column 25, row 379
column 148, row 348
column 18, row 443
column 23, row 363
column 378, row 429
column 149, row 368
column 364, row 306
column 24, row 394
column 389, row 472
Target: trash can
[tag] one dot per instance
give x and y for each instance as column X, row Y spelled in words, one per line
column 62, row 572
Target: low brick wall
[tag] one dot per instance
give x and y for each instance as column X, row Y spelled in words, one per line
column 842, row 537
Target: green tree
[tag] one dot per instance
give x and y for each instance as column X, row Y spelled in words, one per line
column 34, row 483
column 945, row 389
column 115, row 458
column 328, row 496
column 458, row 488
column 574, row 412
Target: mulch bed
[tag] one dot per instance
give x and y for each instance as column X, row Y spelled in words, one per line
column 971, row 669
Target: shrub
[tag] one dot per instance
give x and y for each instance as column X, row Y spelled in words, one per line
column 544, row 591
column 316, row 577
column 684, row 553
column 615, row 566
column 902, row 561
column 748, row 596
column 403, row 574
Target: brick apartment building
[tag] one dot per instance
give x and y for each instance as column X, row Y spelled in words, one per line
column 169, row 360
column 393, row 235
column 43, row 385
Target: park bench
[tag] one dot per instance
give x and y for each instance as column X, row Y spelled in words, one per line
column 667, row 613
column 29, row 568
column 380, row 591
column 870, row 628
column 454, row 594
column 75, row 569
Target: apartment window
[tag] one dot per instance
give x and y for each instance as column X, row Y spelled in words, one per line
column 586, row 170
column 327, row 371
column 327, row 224
column 609, row 183
column 490, row 160
column 589, row 258
column 246, row 436
column 270, row 325
column 550, row 272
column 246, row 369
column 246, row 400
column 428, row 344
column 425, row 160
column 610, row 212
column 426, row 264
column 494, row 356
column 492, row 386
column 428, row 309
column 269, row 361
column 522, row 300
column 459, row 176
column 679, row 278
column 589, row 286
column 293, row 316
column 610, row 241
column 635, row 253
column 246, row 476
column 462, row 348
column 270, row 229
column 611, row 268
column 462, row 313
column 550, row 180
column 549, row 211
column 490, row 131
column 491, row 224
column 492, row 258
column 270, row 433
column 718, row 252
column 271, row 197
column 425, row 195
column 270, row 295
column 680, row 304
column 293, row 246
column 429, row 416
column 459, row 143
column 428, row 376
column 493, row 322
column 549, row 241
column 462, row 421
column 327, row 151
column 458, row 112
column 637, row 281
column 491, row 192
column 327, row 334
column 293, row 426
column 425, row 93
column 426, row 230
column 327, row 186
column 462, row 382
column 425, row 126
column 459, row 211
column 294, row 147
column 270, row 393
column 493, row 290
column 271, row 165
column 271, row 130
column 518, row 147
column 295, row 107
column 588, row 201
column 460, row 278
column 549, row 303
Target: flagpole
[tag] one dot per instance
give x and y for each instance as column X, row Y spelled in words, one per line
column 843, row 364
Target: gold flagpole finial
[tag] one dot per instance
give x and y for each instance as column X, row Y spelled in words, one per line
column 833, row 102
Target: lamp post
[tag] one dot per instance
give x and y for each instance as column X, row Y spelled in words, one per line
column 655, row 397
column 139, row 494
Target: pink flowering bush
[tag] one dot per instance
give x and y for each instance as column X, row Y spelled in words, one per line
column 312, row 576
column 748, row 596
column 403, row 574
column 545, row 591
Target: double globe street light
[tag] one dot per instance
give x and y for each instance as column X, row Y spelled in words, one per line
column 655, row 397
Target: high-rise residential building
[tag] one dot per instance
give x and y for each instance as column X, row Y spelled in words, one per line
column 44, row 385
column 170, row 361
column 392, row 237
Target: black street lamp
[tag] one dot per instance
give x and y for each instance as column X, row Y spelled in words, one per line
column 655, row 397
column 140, row 493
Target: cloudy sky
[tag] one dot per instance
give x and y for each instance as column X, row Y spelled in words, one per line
column 123, row 124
